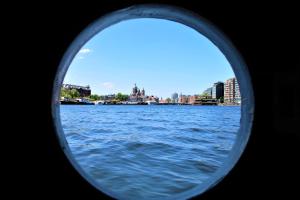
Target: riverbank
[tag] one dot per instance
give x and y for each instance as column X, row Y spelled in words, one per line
column 86, row 102
column 164, row 104
column 76, row 103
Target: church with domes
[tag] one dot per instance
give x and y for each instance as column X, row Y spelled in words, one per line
column 137, row 95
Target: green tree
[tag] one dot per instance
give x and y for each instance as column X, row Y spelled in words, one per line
column 168, row 100
column 74, row 93
column 121, row 97
column 205, row 94
column 95, row 97
column 125, row 97
column 221, row 99
column 65, row 93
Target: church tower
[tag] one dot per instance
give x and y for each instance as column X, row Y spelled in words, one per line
column 134, row 90
column 143, row 92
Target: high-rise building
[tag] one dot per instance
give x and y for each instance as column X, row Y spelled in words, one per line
column 174, row 97
column 208, row 91
column 229, row 90
column 232, row 91
column 218, row 90
column 237, row 94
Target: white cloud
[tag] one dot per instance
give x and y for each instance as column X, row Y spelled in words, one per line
column 108, row 85
column 81, row 54
column 85, row 51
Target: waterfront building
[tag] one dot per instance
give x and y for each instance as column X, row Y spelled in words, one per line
column 237, row 94
column 205, row 101
column 208, row 92
column 109, row 97
column 183, row 98
column 174, row 97
column 137, row 95
column 229, row 90
column 218, row 90
column 162, row 100
column 187, row 99
column 83, row 91
column 192, row 99
column 232, row 92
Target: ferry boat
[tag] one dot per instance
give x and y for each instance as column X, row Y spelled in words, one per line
column 78, row 101
column 151, row 102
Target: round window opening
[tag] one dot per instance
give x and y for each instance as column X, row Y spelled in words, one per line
column 152, row 102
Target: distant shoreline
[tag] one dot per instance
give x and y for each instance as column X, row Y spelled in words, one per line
column 144, row 105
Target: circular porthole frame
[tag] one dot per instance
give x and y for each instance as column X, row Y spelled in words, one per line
column 202, row 26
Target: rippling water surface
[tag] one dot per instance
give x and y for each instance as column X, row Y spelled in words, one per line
column 145, row 152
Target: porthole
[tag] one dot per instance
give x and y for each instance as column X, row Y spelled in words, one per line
column 206, row 29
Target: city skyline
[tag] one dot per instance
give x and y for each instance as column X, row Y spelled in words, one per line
column 143, row 51
column 142, row 89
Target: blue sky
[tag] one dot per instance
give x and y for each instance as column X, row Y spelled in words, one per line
column 160, row 56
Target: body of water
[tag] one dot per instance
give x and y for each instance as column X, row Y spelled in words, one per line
column 150, row 152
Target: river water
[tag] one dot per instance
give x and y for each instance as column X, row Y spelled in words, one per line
column 149, row 152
